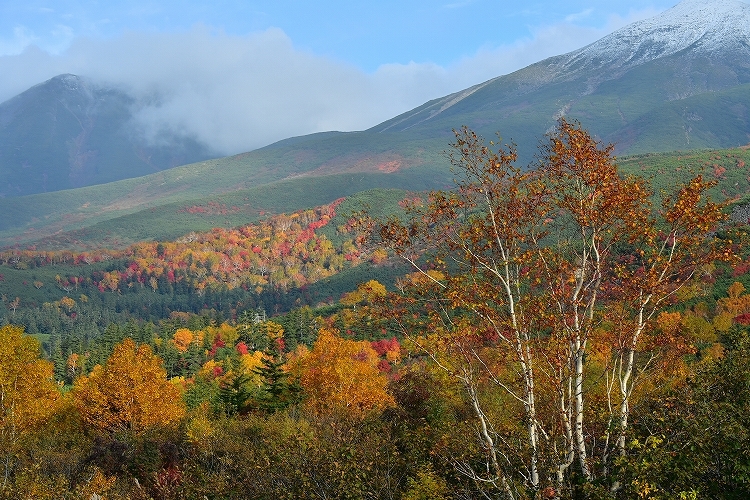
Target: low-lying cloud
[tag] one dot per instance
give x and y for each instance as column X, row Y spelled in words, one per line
column 237, row 93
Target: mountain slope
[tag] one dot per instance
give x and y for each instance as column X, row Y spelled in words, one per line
column 678, row 81
column 68, row 132
column 695, row 48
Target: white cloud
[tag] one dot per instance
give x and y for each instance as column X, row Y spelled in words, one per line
column 22, row 38
column 545, row 41
column 241, row 92
column 579, row 15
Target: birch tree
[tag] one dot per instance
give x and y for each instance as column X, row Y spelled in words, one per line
column 520, row 273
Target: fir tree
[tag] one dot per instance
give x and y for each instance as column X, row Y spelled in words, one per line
column 235, row 397
column 279, row 390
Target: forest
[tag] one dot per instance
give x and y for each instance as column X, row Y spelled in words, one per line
column 565, row 331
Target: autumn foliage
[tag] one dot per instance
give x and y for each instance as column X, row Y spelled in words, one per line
column 28, row 394
column 130, row 393
column 341, row 375
column 548, row 284
column 558, row 336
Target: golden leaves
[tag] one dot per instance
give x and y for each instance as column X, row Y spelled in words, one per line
column 130, row 393
column 342, row 375
column 28, row 394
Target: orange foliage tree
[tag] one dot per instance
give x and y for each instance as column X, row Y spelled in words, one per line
column 28, row 394
column 546, row 284
column 129, row 393
column 340, row 375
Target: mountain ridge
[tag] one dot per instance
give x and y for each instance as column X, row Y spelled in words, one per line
column 70, row 132
column 584, row 70
column 707, row 26
column 679, row 96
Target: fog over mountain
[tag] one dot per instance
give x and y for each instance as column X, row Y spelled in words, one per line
column 237, row 93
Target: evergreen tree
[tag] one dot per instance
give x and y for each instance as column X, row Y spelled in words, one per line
column 234, row 396
column 279, row 389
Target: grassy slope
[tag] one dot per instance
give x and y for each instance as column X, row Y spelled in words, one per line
column 666, row 170
column 233, row 180
column 157, row 206
column 173, row 220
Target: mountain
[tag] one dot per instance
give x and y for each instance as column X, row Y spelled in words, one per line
column 68, row 132
column 678, row 81
column 694, row 53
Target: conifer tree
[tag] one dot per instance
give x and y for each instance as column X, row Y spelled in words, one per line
column 234, row 396
column 279, row 389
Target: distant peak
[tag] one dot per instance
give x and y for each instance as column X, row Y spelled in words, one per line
column 706, row 27
column 67, row 82
column 65, row 78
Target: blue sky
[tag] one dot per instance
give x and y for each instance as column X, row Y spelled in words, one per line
column 241, row 74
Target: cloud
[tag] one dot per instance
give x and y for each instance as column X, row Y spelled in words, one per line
column 22, row 38
column 233, row 92
column 545, row 41
column 578, row 15
column 236, row 93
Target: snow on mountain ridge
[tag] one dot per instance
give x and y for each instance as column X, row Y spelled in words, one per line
column 700, row 31
column 710, row 26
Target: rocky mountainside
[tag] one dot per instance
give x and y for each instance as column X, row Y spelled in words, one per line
column 68, row 132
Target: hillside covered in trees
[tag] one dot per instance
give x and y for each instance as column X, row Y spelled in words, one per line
column 568, row 331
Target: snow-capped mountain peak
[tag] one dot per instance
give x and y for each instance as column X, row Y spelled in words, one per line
column 707, row 27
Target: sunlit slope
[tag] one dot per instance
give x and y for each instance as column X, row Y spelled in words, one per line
column 120, row 213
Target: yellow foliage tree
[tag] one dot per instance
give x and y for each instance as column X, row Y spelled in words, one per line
column 226, row 332
column 367, row 292
column 182, row 339
column 28, row 394
column 67, row 303
column 736, row 303
column 130, row 393
column 340, row 374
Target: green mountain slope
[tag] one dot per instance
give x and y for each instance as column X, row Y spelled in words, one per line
column 70, row 225
column 678, row 81
column 174, row 202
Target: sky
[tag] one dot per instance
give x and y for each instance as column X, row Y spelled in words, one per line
column 240, row 74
